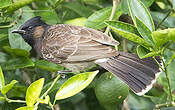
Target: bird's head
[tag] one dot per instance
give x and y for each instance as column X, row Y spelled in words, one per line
column 31, row 29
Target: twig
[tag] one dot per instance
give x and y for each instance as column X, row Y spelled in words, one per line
column 56, row 79
column 112, row 14
column 158, row 106
column 19, row 101
column 168, row 81
column 10, row 100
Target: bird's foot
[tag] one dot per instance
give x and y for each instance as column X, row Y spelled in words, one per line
column 62, row 73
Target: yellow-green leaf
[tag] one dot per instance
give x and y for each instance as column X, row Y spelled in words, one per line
column 162, row 36
column 27, row 108
column 2, row 82
column 77, row 21
column 75, row 84
column 7, row 87
column 33, row 92
column 144, row 53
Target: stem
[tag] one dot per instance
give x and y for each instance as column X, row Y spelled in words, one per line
column 169, row 12
column 158, row 106
column 168, row 80
column 54, row 102
column 19, row 101
column 124, row 44
column 158, row 64
column 112, row 14
column 8, row 26
column 11, row 101
column 56, row 79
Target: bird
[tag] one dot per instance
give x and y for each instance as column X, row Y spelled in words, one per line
column 79, row 47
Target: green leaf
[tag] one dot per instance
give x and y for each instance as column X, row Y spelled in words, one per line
column 15, row 40
column 27, row 108
column 16, row 52
column 17, row 91
column 77, row 21
column 125, row 9
column 78, row 8
column 122, row 26
column 162, row 36
column 49, row 66
column 168, row 22
column 7, row 87
column 4, row 57
column 33, row 92
column 96, row 20
column 138, row 9
column 2, row 82
column 127, row 31
column 145, row 53
column 16, row 5
column 5, row 3
column 141, row 51
column 58, row 3
column 3, row 32
column 139, row 103
column 75, row 84
column 50, row 16
column 173, row 2
column 15, row 63
column 147, row 3
column 144, row 31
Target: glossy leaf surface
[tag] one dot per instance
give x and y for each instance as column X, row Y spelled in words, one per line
column 75, row 84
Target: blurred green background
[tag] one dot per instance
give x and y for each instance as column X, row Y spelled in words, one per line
column 19, row 62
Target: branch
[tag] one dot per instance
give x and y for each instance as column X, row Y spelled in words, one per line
column 112, row 14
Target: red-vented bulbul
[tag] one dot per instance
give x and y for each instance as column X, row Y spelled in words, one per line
column 78, row 47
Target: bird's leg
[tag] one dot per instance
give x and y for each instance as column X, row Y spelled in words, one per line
column 62, row 73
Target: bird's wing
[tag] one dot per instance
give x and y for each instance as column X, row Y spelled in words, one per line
column 67, row 43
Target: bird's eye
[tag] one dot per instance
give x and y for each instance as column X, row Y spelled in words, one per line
column 30, row 27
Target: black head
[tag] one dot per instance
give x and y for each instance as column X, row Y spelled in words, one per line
column 27, row 29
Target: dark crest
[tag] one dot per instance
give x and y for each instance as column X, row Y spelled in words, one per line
column 36, row 21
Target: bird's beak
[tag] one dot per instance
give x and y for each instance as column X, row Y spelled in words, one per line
column 19, row 31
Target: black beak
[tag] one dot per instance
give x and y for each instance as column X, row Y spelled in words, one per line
column 19, row 31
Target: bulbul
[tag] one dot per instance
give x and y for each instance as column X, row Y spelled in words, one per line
column 79, row 47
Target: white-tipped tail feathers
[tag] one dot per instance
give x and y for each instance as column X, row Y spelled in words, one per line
column 138, row 74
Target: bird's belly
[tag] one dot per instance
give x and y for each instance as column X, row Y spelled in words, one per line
column 77, row 67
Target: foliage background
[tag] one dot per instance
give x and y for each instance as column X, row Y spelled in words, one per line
column 18, row 64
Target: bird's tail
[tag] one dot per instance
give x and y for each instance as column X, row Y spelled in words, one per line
column 138, row 74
